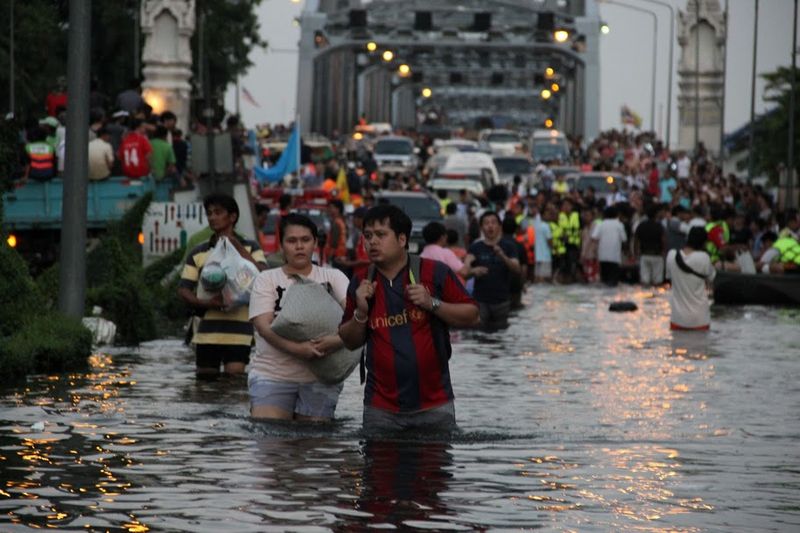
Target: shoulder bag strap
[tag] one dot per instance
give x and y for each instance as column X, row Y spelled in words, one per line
column 686, row 268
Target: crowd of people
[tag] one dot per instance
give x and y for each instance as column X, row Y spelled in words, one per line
column 671, row 216
column 126, row 138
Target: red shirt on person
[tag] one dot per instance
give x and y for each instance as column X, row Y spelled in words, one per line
column 134, row 152
column 54, row 101
column 408, row 348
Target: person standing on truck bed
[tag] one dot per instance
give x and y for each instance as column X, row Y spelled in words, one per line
column 223, row 336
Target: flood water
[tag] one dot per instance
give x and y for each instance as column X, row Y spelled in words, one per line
column 574, row 419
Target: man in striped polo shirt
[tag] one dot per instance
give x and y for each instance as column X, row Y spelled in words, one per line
column 224, row 336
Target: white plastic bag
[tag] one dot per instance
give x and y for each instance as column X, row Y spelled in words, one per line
column 240, row 273
column 308, row 311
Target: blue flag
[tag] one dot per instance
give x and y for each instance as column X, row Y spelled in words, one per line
column 287, row 163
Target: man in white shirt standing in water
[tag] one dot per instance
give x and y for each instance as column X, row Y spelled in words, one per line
column 690, row 270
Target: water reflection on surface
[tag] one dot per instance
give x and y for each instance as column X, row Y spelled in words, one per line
column 574, row 419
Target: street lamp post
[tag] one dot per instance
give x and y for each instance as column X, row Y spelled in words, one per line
column 750, row 159
column 791, row 199
column 655, row 53
column 671, row 64
column 11, row 81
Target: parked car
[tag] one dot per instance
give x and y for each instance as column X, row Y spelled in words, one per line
column 453, row 185
column 500, row 142
column 549, row 145
column 396, row 156
column 518, row 165
column 421, row 207
column 472, row 164
column 600, row 181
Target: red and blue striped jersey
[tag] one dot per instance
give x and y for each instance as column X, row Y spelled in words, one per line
column 408, row 349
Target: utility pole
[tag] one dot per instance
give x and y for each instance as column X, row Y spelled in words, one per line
column 750, row 156
column 208, row 107
column 72, row 274
column 137, row 31
column 671, row 64
column 791, row 200
column 697, row 75
column 12, row 104
column 724, row 74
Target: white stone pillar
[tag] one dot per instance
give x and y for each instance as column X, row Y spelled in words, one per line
column 167, row 26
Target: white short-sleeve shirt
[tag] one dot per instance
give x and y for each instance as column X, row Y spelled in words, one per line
column 610, row 234
column 268, row 289
column 688, row 299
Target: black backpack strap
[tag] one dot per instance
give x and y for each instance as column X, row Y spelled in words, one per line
column 686, row 268
column 362, row 365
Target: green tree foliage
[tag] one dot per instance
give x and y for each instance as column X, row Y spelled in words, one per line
column 231, row 32
column 771, row 140
column 41, row 46
column 40, row 53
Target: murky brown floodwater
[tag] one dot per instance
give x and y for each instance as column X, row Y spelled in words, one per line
column 574, row 419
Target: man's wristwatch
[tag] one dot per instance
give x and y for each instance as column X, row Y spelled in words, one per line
column 436, row 303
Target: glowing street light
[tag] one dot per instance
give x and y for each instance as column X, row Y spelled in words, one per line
column 372, row 46
column 555, row 88
column 388, row 55
column 427, row 92
column 561, row 36
column 549, row 72
column 358, row 136
column 404, row 70
column 546, row 94
column 548, row 123
column 605, row 29
column 12, row 241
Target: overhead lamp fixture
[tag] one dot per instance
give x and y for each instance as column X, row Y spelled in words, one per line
column 427, row 92
column 372, row 46
column 549, row 72
column 404, row 70
column 548, row 123
column 605, row 29
column 388, row 55
column 546, row 94
column 555, row 88
column 561, row 36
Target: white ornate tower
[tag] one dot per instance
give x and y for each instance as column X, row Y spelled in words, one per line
column 167, row 26
column 701, row 36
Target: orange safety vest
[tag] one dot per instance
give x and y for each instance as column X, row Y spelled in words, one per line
column 341, row 247
column 42, row 159
column 528, row 241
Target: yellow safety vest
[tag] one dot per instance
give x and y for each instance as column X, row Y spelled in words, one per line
column 559, row 247
column 789, row 249
column 571, row 227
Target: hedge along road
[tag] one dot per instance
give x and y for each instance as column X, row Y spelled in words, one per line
column 574, row 418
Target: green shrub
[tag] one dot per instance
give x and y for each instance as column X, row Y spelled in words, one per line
column 19, row 294
column 48, row 342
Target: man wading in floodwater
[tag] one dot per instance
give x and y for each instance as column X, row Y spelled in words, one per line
column 404, row 322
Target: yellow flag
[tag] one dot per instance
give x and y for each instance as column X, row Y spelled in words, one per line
column 341, row 185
